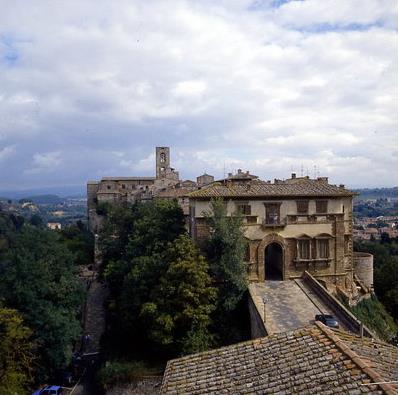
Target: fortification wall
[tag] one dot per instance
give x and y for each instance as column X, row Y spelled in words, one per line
column 363, row 268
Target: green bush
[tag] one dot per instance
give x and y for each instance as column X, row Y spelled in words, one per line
column 373, row 314
column 118, row 372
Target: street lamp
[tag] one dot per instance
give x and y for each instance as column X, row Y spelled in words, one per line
column 265, row 301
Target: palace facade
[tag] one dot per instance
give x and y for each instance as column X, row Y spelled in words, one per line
column 290, row 225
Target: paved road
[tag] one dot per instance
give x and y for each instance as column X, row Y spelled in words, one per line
column 290, row 305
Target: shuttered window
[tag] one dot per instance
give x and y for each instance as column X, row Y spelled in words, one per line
column 302, row 206
column 323, row 248
column 303, row 247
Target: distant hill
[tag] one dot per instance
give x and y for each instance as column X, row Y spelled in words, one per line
column 42, row 199
column 377, row 193
column 62, row 191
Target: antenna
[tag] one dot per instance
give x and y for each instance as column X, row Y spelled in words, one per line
column 302, row 170
column 314, row 171
column 224, row 171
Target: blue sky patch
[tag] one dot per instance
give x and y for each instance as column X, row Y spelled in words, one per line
column 331, row 27
column 10, row 55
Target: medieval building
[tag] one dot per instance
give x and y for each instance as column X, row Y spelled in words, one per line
column 166, row 185
column 291, row 226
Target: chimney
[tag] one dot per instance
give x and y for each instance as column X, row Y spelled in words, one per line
column 293, row 175
column 229, row 174
column 341, row 186
column 239, row 171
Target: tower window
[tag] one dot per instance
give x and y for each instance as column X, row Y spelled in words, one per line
column 162, row 157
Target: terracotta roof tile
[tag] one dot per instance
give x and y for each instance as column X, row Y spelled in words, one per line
column 256, row 188
column 311, row 360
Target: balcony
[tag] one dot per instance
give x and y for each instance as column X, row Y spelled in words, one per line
column 274, row 222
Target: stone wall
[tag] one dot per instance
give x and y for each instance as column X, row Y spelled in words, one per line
column 257, row 326
column 341, row 312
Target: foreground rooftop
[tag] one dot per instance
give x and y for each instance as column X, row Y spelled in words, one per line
column 311, row 360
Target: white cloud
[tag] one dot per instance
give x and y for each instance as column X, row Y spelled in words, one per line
column 46, row 162
column 6, row 152
column 239, row 81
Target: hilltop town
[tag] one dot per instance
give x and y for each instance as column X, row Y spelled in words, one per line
column 298, row 260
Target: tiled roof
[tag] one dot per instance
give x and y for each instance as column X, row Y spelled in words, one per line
column 256, row 188
column 312, row 360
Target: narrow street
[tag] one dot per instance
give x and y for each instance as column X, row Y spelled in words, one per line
column 94, row 327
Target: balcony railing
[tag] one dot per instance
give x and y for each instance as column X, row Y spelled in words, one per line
column 273, row 222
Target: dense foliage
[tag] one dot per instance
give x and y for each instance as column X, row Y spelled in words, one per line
column 80, row 241
column 385, row 254
column 373, row 314
column 226, row 249
column 39, row 281
column 161, row 290
column 16, row 353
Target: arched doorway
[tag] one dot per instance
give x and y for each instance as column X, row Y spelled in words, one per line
column 273, row 261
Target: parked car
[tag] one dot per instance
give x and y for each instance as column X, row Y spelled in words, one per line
column 49, row 390
column 328, row 320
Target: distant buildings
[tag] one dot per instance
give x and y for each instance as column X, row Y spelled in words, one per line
column 166, row 184
column 54, row 226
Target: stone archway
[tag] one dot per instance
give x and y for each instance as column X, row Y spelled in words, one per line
column 263, row 251
column 273, row 262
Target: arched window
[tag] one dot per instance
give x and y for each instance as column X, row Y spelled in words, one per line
column 162, row 157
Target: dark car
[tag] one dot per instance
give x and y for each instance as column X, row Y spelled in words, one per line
column 328, row 320
column 49, row 390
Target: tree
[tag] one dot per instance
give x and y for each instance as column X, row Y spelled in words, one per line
column 179, row 309
column 133, row 244
column 16, row 356
column 226, row 250
column 36, row 220
column 80, row 242
column 38, row 279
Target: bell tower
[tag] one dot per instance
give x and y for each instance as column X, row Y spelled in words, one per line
column 162, row 161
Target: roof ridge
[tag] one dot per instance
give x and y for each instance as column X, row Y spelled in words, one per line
column 373, row 374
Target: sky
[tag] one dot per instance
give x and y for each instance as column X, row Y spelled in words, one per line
column 90, row 88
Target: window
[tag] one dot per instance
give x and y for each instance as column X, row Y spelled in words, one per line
column 272, row 213
column 247, row 252
column 244, row 208
column 251, row 220
column 123, row 186
column 108, row 186
column 162, row 157
column 323, row 248
column 321, row 206
column 302, row 206
column 303, row 249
